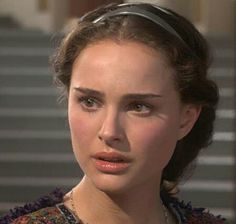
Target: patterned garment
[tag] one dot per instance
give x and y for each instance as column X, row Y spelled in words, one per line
column 51, row 210
column 57, row 214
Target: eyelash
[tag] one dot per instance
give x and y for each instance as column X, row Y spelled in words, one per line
column 133, row 106
column 83, row 101
column 148, row 107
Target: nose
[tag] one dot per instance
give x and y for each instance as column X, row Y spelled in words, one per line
column 111, row 130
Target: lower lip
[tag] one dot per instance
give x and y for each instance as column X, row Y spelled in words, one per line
column 111, row 167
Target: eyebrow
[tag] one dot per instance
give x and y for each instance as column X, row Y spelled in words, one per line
column 88, row 91
column 129, row 96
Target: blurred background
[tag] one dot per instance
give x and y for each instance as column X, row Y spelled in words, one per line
column 35, row 150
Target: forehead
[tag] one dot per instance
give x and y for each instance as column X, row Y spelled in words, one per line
column 122, row 62
column 124, row 47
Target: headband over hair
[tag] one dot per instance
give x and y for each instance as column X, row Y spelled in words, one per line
column 134, row 9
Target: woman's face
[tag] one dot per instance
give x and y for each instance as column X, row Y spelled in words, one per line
column 124, row 113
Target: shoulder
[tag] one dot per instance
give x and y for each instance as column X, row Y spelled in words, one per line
column 186, row 213
column 200, row 215
column 42, row 216
column 43, row 206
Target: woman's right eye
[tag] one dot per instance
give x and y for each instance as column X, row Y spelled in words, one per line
column 89, row 103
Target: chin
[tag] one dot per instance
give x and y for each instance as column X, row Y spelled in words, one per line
column 110, row 184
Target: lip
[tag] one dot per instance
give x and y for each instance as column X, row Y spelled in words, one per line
column 111, row 162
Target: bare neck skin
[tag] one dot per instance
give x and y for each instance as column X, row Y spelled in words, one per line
column 138, row 206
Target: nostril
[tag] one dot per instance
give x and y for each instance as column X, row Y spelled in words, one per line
column 108, row 138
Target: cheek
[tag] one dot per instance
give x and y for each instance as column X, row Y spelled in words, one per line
column 80, row 129
column 81, row 136
column 155, row 141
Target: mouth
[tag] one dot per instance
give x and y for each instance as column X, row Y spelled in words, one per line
column 114, row 160
column 111, row 162
column 111, row 157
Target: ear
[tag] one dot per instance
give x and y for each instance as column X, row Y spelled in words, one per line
column 189, row 116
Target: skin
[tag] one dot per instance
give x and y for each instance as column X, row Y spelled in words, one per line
column 117, row 118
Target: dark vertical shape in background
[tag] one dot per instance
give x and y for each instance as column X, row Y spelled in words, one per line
column 79, row 7
column 234, row 39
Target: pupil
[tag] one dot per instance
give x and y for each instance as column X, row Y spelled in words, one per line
column 89, row 102
column 139, row 107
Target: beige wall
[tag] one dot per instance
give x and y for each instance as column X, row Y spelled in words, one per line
column 26, row 12
column 218, row 17
column 213, row 17
column 59, row 14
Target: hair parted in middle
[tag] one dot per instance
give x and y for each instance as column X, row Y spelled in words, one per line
column 187, row 54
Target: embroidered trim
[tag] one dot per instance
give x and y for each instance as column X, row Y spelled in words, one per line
column 185, row 213
column 68, row 214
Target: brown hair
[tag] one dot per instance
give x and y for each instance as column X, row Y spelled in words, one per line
column 189, row 58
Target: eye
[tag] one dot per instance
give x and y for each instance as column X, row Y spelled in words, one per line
column 139, row 107
column 89, row 103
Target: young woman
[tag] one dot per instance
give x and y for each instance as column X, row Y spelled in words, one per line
column 140, row 108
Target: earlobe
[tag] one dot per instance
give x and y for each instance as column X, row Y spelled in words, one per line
column 190, row 115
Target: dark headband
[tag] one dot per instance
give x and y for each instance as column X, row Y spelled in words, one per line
column 133, row 9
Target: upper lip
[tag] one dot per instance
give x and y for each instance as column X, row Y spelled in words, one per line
column 111, row 157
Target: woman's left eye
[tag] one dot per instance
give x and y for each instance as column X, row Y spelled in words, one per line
column 140, row 108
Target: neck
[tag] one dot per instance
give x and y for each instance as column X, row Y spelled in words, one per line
column 137, row 206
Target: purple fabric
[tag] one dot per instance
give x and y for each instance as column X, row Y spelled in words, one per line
column 46, row 201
